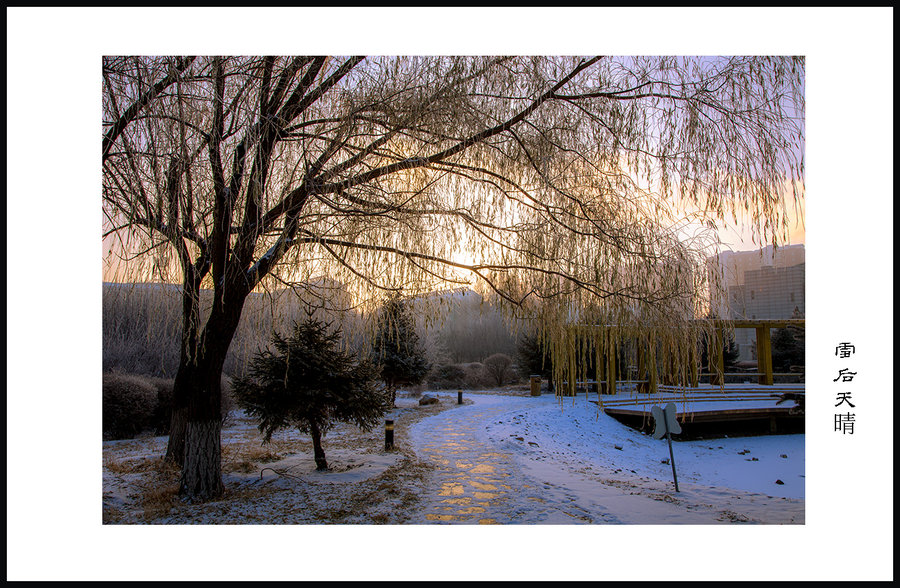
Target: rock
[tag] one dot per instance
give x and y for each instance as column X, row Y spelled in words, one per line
column 425, row 400
column 619, row 447
column 784, row 455
column 779, row 482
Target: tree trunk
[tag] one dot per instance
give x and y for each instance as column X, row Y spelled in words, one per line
column 318, row 452
column 201, row 387
column 202, row 473
column 177, row 432
column 187, row 366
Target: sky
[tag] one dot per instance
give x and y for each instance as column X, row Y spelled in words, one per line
column 53, row 290
column 737, row 237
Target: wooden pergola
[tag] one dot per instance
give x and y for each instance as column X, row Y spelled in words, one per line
column 648, row 380
column 763, row 345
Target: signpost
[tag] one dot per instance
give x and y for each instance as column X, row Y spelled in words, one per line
column 666, row 424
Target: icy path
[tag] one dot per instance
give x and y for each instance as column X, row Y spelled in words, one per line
column 475, row 483
column 495, row 464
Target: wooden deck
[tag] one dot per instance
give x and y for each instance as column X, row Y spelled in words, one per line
column 711, row 405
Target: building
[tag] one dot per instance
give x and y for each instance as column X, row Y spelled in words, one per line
column 765, row 284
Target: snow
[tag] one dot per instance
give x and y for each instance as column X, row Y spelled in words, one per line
column 496, row 459
column 546, row 461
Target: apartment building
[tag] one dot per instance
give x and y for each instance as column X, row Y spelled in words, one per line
column 765, row 284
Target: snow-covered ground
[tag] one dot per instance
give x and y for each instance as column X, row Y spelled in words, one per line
column 538, row 460
column 501, row 459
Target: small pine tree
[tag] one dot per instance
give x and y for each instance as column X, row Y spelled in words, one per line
column 309, row 383
column 397, row 348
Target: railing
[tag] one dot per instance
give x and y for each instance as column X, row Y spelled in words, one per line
column 765, row 372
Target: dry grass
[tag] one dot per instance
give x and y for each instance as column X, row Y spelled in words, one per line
column 243, row 466
column 155, row 490
column 245, row 457
column 158, row 500
column 112, row 515
column 156, row 465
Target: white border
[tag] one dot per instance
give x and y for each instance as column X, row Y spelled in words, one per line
column 53, row 289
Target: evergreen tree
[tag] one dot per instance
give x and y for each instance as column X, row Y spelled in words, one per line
column 308, row 382
column 534, row 359
column 397, row 347
column 788, row 349
column 730, row 352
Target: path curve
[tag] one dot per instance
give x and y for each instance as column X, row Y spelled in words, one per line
column 479, row 477
column 480, row 481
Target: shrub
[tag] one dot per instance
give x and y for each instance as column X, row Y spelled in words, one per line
column 129, row 404
column 447, row 376
column 475, row 376
column 162, row 414
column 498, row 369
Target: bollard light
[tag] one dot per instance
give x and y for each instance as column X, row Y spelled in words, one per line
column 388, row 435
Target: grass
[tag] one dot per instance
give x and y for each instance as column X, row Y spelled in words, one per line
column 156, row 465
column 246, row 457
column 157, row 501
column 112, row 515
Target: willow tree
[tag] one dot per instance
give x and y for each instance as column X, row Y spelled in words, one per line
column 555, row 183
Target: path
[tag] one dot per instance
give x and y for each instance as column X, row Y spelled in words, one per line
column 477, row 480
column 475, row 483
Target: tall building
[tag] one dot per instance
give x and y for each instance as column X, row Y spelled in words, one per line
column 765, row 284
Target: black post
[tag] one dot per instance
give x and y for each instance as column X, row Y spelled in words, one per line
column 388, row 435
column 459, row 397
column 672, row 457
